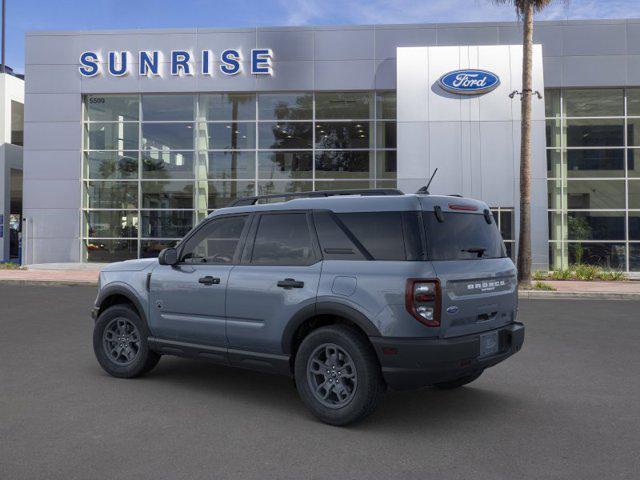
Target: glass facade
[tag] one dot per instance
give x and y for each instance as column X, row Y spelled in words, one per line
column 594, row 177
column 155, row 165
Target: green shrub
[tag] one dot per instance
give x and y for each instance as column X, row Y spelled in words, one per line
column 540, row 275
column 9, row 266
column 543, row 286
column 587, row 272
column 562, row 274
column 612, row 275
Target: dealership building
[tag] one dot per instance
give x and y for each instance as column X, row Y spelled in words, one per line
column 132, row 137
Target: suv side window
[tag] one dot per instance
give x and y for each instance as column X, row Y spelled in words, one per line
column 334, row 241
column 216, row 242
column 381, row 233
column 283, row 239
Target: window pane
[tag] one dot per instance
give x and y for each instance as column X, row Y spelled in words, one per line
column 334, row 242
column 227, row 136
column 167, row 136
column 633, row 159
column 595, row 194
column 386, row 184
column 276, row 187
column 331, row 135
column 554, row 164
column 152, row 248
column 386, row 136
column 222, row 193
column 17, row 123
column 634, row 225
column 229, row 165
column 458, row 237
column 506, row 224
column 285, row 106
column 596, row 225
column 167, row 194
column 289, row 135
column 554, row 133
column 111, row 108
column 111, row 136
column 595, row 163
column 168, row 107
column 107, row 251
column 284, row 165
column 634, row 257
column 611, row 256
column 111, row 165
column 555, row 199
column 166, row 224
column 552, row 103
column 113, row 224
column 379, row 232
column 112, row 194
column 595, row 133
column 386, row 105
column 348, row 185
column 349, row 105
column 283, row 239
column 216, row 242
column 167, row 164
column 387, row 164
column 633, row 132
column 593, row 103
column 633, row 101
column 227, row 106
column 634, row 194
column 344, row 164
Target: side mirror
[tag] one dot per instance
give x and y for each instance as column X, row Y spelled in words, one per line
column 168, row 256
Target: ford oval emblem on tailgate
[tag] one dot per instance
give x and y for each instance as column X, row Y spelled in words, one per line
column 452, row 309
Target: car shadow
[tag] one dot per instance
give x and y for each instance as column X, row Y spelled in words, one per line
column 399, row 411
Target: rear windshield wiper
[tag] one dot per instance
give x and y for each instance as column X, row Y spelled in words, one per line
column 477, row 250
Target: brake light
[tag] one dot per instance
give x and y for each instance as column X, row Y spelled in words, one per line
column 422, row 300
column 462, row 207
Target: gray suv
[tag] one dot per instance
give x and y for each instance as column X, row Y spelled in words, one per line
column 349, row 294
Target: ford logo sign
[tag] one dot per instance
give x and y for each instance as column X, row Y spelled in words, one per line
column 469, row 82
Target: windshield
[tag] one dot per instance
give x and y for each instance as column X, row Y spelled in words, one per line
column 462, row 236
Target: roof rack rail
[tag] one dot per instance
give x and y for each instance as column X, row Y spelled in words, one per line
column 244, row 201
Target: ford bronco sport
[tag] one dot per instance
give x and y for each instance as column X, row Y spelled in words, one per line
column 349, row 294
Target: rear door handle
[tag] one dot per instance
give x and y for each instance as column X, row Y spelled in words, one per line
column 290, row 283
column 209, row 280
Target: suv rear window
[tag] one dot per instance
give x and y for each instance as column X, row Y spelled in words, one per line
column 462, row 236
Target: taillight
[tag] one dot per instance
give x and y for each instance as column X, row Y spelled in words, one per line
column 422, row 300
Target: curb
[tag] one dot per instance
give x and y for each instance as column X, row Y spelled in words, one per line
column 49, row 283
column 547, row 295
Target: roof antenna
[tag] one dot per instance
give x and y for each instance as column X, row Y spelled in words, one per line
column 425, row 190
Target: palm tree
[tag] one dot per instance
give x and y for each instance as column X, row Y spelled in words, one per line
column 525, row 10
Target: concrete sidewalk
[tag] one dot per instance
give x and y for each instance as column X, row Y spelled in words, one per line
column 87, row 274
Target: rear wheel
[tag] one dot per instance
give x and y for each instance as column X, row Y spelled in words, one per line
column 120, row 343
column 338, row 376
column 459, row 382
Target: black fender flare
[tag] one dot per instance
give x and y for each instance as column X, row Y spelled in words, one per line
column 326, row 308
column 125, row 291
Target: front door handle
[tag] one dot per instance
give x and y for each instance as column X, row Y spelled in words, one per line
column 209, row 280
column 290, row 283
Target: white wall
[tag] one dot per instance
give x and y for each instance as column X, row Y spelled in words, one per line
column 474, row 141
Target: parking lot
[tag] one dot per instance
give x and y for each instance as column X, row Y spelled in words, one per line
column 567, row 406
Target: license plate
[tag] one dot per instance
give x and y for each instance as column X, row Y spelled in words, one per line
column 489, row 344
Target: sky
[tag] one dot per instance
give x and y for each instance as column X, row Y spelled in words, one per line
column 26, row 15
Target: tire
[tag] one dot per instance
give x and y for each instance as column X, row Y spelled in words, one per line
column 132, row 357
column 459, row 382
column 359, row 386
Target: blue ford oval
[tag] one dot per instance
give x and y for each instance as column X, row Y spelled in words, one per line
column 469, row 81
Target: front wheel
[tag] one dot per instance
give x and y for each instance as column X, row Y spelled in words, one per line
column 338, row 376
column 120, row 343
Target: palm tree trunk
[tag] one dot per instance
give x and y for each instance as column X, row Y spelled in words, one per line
column 524, row 245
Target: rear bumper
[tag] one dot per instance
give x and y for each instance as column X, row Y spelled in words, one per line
column 413, row 363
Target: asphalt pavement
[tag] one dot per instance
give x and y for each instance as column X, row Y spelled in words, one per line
column 566, row 407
